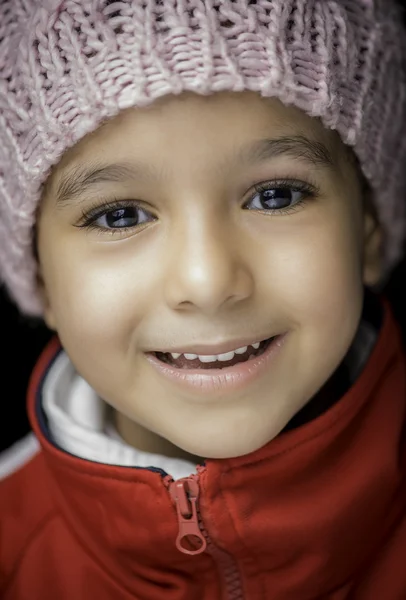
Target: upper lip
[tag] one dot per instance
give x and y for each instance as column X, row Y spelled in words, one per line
column 212, row 349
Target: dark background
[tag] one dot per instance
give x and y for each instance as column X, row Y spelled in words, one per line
column 24, row 339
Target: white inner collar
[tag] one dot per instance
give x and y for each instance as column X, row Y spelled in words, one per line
column 78, row 422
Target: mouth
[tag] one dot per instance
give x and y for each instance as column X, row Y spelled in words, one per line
column 208, row 378
column 220, row 361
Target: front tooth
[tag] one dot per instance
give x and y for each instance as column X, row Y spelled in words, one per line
column 256, row 345
column 175, row 354
column 226, row 356
column 207, row 358
column 241, row 350
column 190, row 356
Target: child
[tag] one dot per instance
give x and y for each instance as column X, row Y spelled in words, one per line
column 202, row 199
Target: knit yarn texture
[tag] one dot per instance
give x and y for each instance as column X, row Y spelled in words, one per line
column 66, row 67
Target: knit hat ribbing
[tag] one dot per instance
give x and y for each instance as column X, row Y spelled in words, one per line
column 67, row 66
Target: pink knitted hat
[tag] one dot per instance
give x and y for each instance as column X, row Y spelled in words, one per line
column 65, row 66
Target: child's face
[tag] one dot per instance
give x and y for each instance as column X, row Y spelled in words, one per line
column 209, row 264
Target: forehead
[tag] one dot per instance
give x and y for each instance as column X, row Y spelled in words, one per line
column 195, row 133
column 194, row 136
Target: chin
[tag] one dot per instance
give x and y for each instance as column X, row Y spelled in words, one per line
column 228, row 448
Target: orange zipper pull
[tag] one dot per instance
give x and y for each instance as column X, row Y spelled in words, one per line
column 185, row 493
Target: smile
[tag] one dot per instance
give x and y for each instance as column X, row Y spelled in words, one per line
column 209, row 375
column 214, row 361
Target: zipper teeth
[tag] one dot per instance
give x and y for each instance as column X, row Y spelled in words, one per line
column 226, row 565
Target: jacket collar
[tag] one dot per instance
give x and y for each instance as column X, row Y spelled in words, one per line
column 308, row 508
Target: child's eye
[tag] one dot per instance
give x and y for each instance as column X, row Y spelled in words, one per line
column 280, row 196
column 274, row 197
column 116, row 216
column 122, row 217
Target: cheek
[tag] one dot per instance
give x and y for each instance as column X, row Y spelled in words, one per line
column 316, row 276
column 98, row 294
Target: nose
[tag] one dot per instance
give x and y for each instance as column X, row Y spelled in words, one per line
column 206, row 270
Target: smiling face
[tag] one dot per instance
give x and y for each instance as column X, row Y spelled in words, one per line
column 220, row 221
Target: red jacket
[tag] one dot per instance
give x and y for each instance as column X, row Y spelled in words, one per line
column 318, row 513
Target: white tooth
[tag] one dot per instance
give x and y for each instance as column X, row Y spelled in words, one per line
column 226, row 356
column 241, row 350
column 175, row 354
column 207, row 358
column 190, row 356
column 256, row 345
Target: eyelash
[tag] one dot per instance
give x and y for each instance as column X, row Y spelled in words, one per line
column 90, row 217
column 309, row 191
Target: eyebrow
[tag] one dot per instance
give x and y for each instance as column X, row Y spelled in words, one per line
column 298, row 147
column 80, row 180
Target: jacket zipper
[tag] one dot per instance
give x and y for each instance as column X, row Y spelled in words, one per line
column 193, row 537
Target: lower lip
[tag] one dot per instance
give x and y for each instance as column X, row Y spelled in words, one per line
column 224, row 380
